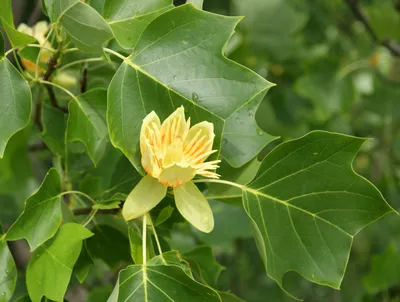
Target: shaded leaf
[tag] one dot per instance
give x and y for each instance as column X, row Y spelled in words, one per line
column 87, row 122
column 229, row 297
column 50, row 268
column 1, row 45
column 42, row 214
column 108, row 244
column 16, row 102
column 159, row 283
column 163, row 216
column 203, row 264
column 83, row 265
column 306, row 204
column 54, row 123
column 8, row 271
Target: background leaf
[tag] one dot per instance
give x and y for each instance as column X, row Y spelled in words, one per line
column 306, row 204
column 87, row 122
column 50, row 268
column 42, row 214
column 15, row 102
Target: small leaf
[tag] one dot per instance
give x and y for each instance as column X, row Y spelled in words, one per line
column 108, row 244
column 107, row 205
column 8, row 271
column 87, row 122
column 384, row 271
column 42, row 214
column 16, row 102
column 54, row 123
column 16, row 37
column 139, row 283
column 164, row 215
column 203, row 264
column 306, row 205
column 50, row 268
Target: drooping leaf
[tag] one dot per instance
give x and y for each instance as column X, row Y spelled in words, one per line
column 203, row 264
column 50, row 268
column 54, row 123
column 16, row 37
column 16, row 102
column 87, row 122
column 108, row 244
column 384, row 271
column 159, row 283
column 163, row 73
column 83, row 24
column 8, row 271
column 306, row 204
column 163, row 216
column 42, row 214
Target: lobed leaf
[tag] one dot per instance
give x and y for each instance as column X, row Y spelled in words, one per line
column 50, row 268
column 42, row 214
column 306, row 204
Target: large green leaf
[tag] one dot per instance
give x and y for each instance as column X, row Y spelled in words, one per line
column 178, row 61
column 124, row 9
column 87, row 122
column 42, row 214
column 50, row 268
column 159, row 283
column 84, row 25
column 15, row 102
column 8, row 271
column 306, row 204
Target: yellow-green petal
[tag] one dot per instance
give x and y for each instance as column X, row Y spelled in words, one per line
column 192, row 204
column 144, row 197
column 176, row 175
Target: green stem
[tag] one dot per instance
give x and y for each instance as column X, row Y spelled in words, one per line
column 40, row 50
column 59, row 87
column 156, row 237
column 91, row 217
column 78, row 193
column 144, row 235
column 79, row 62
column 114, row 53
column 220, row 181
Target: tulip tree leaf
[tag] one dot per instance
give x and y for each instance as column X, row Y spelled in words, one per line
column 87, row 122
column 203, row 264
column 124, row 9
column 54, row 122
column 50, row 268
column 15, row 102
column 8, row 272
column 42, row 214
column 16, row 38
column 163, row 73
column 306, row 204
column 159, row 283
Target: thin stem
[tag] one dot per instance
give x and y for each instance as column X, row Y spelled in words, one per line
column 19, row 64
column 59, row 87
column 92, row 214
column 156, row 237
column 40, row 50
column 114, row 53
column 79, row 193
column 70, row 50
column 220, row 181
column 79, row 62
column 144, row 235
column 41, row 46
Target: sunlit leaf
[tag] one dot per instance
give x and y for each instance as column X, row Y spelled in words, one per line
column 42, row 214
column 50, row 268
column 307, row 203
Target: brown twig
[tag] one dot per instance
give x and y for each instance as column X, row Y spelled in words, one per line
column 53, row 100
column 86, row 211
column 84, row 80
column 355, row 8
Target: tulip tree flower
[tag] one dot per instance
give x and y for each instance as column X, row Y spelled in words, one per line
column 173, row 153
